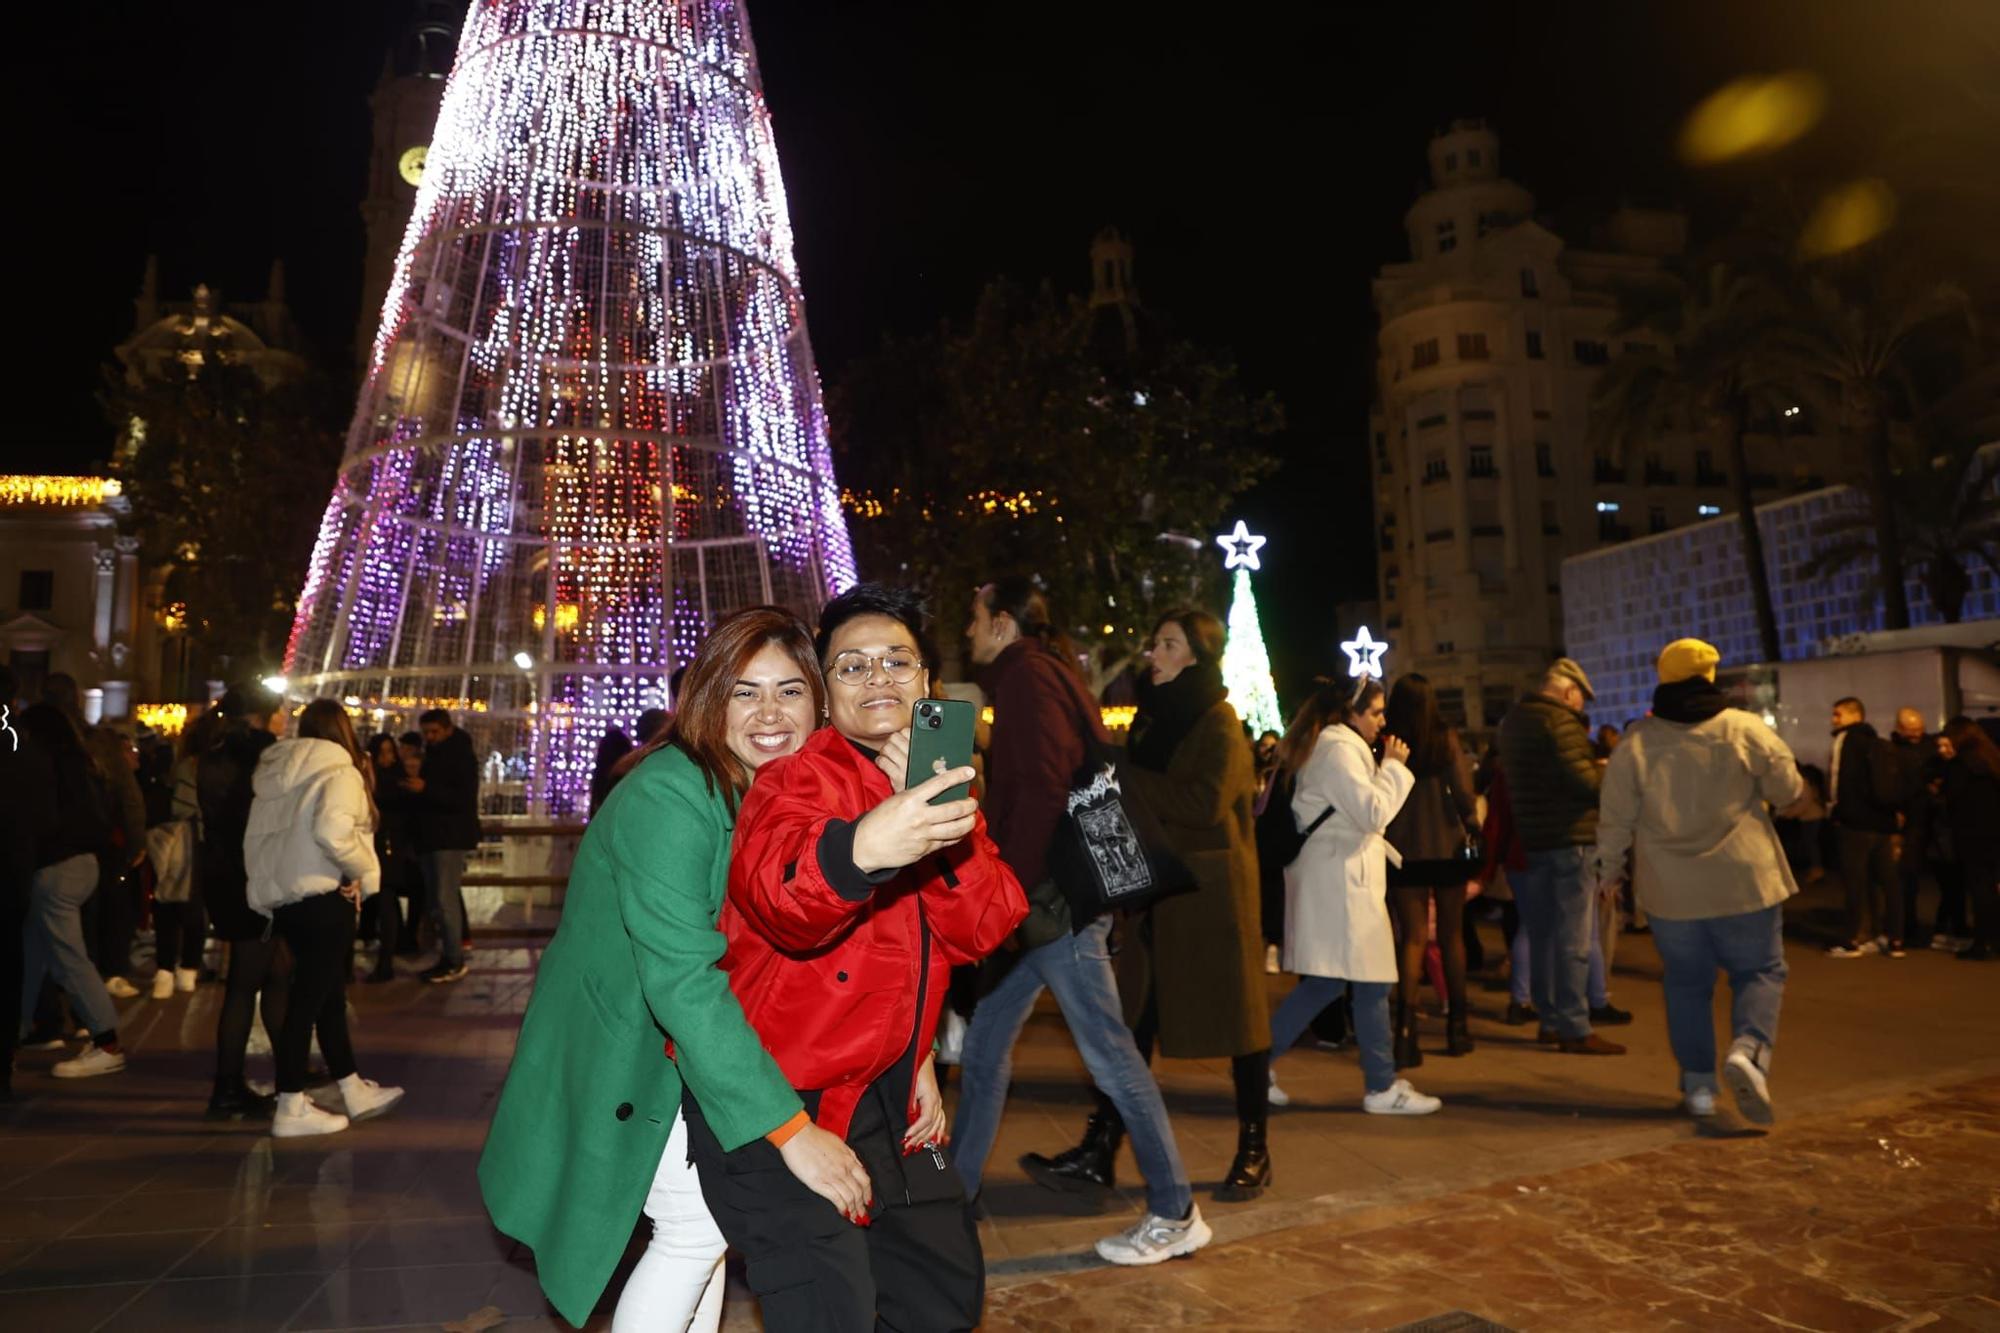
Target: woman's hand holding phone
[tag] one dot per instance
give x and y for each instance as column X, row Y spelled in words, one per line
column 906, row 827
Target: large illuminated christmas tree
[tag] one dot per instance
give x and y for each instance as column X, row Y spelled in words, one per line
column 1246, row 662
column 591, row 425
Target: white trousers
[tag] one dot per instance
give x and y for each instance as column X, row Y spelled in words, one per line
column 677, row 1285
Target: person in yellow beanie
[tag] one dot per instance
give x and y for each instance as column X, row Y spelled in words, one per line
column 1685, row 811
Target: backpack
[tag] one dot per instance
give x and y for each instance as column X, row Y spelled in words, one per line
column 1279, row 837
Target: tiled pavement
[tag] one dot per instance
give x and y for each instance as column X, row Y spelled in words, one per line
column 120, row 1208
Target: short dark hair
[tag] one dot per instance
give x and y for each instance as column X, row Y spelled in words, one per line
column 901, row 605
column 247, row 699
column 415, row 738
column 1850, row 701
column 437, row 715
column 653, row 719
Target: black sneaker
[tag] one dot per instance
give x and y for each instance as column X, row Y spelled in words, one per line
column 445, row 972
column 1610, row 1015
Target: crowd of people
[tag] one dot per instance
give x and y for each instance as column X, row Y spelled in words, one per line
column 282, row 847
column 734, row 1029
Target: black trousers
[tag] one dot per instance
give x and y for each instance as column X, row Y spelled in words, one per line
column 256, row 967
column 179, row 930
column 1874, row 889
column 113, row 913
column 916, row 1266
column 320, row 933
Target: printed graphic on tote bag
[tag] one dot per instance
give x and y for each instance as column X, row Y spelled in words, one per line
column 1114, row 848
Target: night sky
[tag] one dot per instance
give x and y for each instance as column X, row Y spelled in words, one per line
column 1260, row 157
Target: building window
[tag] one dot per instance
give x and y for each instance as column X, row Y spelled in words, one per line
column 1431, row 422
column 1605, row 472
column 1450, row 162
column 1472, row 347
column 1447, row 232
column 1529, row 286
column 1609, row 529
column 1435, row 468
column 1451, row 700
column 1656, row 518
column 1494, row 701
column 1479, row 461
column 1534, row 344
column 1551, row 525
column 1545, row 463
column 1591, row 352
column 38, row 589
column 1472, row 157
column 1424, row 354
column 1704, row 470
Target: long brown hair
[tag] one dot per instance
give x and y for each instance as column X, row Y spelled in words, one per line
column 1413, row 718
column 327, row 720
column 1322, row 708
column 1973, row 745
column 700, row 724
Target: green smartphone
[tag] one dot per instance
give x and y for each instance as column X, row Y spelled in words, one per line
column 940, row 740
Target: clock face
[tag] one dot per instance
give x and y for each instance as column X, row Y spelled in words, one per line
column 411, row 164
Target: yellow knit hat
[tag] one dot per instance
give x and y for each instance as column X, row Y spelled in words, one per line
column 1684, row 659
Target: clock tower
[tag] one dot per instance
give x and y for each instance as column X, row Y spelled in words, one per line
column 405, row 108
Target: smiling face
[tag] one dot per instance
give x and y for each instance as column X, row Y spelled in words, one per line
column 770, row 708
column 878, row 707
column 1170, row 654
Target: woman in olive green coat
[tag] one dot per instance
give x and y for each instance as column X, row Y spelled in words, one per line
column 588, row 1131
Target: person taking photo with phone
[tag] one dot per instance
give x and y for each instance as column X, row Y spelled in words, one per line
column 589, row 1131
column 851, row 896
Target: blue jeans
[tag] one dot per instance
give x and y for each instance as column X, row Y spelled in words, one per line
column 1751, row 949
column 1555, row 908
column 444, row 901
column 1598, row 991
column 1077, row 969
column 1371, row 1023
column 54, row 946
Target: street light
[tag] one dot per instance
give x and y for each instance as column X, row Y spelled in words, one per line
column 524, row 661
column 275, row 684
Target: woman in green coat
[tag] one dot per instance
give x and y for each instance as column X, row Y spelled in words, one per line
column 588, row 1131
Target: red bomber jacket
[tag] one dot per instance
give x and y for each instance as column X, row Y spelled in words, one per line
column 828, row 963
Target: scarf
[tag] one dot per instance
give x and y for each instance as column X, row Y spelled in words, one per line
column 1696, row 699
column 1167, row 713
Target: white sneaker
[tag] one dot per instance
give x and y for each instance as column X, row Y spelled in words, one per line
column 1271, row 959
column 1277, row 1095
column 364, row 1098
column 302, row 1119
column 1399, row 1098
column 1749, row 1086
column 1700, row 1102
column 120, row 988
column 89, row 1063
column 1154, row 1239
column 184, row 979
column 163, row 985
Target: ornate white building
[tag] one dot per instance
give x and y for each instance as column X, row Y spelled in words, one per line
column 70, row 589
column 1491, row 336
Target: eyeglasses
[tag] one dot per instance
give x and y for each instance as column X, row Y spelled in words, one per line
column 856, row 669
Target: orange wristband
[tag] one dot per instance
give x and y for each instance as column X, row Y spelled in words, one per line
column 782, row 1135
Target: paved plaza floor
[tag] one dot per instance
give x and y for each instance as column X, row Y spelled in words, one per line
column 1552, row 1192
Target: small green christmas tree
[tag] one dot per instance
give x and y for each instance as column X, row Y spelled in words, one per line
column 1246, row 662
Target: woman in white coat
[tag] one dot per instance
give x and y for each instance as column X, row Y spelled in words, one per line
column 1337, row 930
column 310, row 853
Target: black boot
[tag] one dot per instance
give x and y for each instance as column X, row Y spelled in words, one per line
column 1457, row 1039
column 1251, row 1171
column 1408, row 1056
column 1089, row 1164
column 233, row 1100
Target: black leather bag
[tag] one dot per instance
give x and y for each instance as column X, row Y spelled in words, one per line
column 1110, row 851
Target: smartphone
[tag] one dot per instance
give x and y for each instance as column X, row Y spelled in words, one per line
column 940, row 729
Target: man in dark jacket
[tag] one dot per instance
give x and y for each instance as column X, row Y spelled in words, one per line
column 258, row 965
column 1552, row 778
column 1920, row 774
column 446, row 792
column 1864, row 786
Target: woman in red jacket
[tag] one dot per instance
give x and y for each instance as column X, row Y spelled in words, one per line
column 850, row 899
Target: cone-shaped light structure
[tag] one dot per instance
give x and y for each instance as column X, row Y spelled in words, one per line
column 591, row 424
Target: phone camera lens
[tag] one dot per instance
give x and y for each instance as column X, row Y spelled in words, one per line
column 934, row 722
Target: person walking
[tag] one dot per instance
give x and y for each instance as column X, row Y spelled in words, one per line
column 447, row 795
column 1044, row 725
column 1432, row 832
column 1865, row 786
column 309, row 861
column 66, row 875
column 1686, row 812
column 395, row 849
column 850, row 898
column 1552, row 780
column 589, row 1133
column 1971, row 788
column 1337, row 928
column 259, row 964
column 111, row 918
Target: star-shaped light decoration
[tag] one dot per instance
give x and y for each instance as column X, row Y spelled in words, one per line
column 1242, row 548
column 1364, row 654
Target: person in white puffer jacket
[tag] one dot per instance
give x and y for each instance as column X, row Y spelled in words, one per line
column 309, row 851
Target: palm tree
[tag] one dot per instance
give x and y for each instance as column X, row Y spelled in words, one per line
column 1857, row 332
column 1722, row 367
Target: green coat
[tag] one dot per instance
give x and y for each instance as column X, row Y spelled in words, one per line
column 1205, row 958
column 591, row 1095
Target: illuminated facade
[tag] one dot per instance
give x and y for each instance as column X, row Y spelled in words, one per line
column 591, row 424
column 70, row 591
